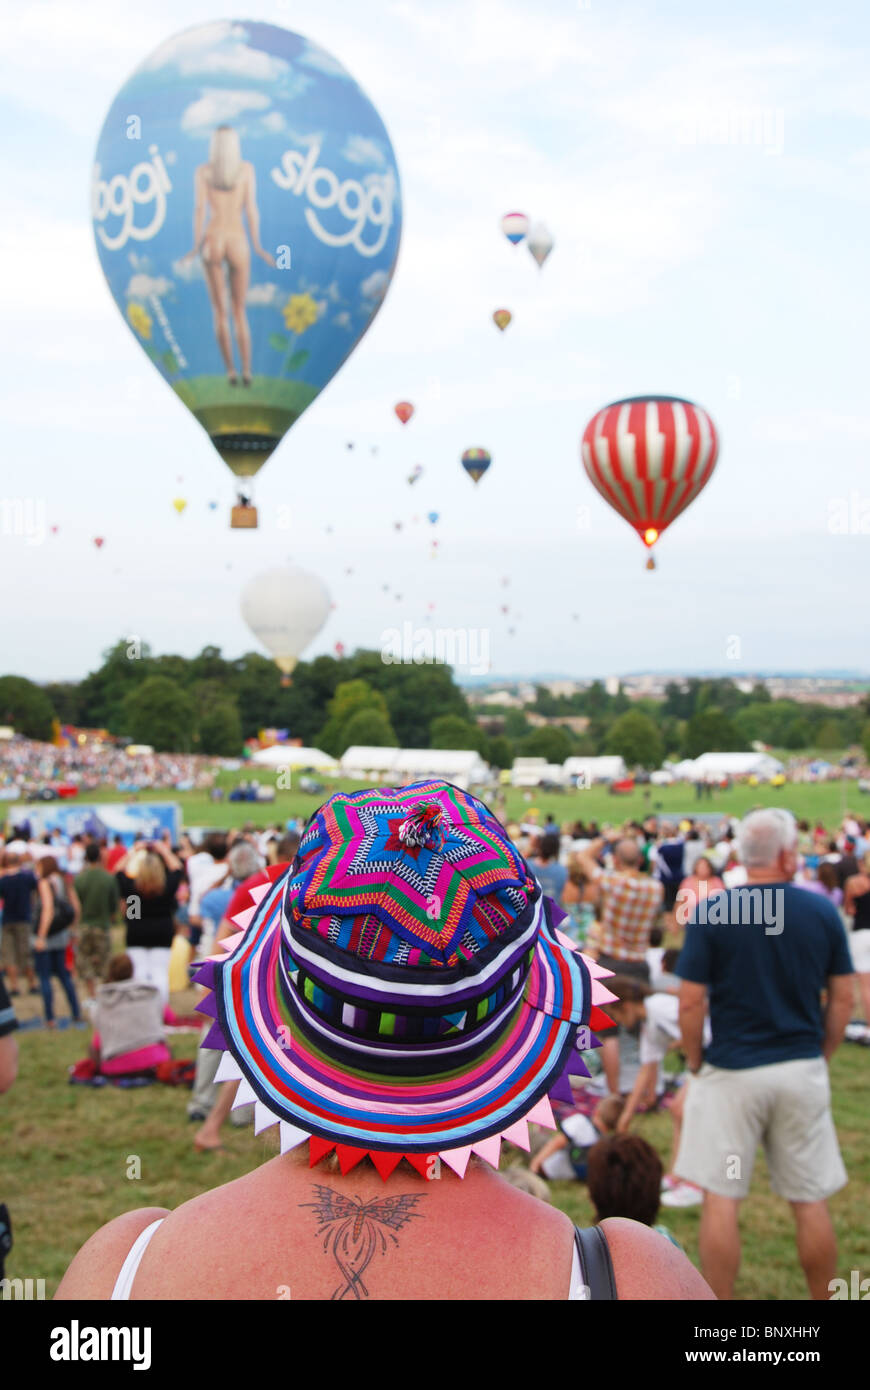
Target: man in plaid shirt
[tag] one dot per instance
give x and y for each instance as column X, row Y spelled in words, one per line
column 627, row 904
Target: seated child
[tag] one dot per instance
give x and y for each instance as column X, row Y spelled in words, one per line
column 624, row 1178
column 564, row 1156
column 128, row 1019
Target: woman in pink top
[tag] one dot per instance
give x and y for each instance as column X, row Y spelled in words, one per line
column 396, row 1003
column 703, row 883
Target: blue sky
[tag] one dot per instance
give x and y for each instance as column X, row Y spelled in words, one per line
column 688, row 260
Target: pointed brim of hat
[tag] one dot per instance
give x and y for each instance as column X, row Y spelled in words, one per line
column 296, row 1082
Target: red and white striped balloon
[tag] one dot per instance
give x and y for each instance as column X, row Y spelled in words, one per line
column 649, row 457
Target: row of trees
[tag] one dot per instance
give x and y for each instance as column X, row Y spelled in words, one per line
column 209, row 704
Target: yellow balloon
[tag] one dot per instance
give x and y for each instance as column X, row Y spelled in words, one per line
column 179, row 503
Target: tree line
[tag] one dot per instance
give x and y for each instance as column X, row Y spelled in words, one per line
column 211, row 704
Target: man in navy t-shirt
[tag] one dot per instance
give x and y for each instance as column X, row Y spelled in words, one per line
column 762, row 955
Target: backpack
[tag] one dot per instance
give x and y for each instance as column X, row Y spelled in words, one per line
column 63, row 913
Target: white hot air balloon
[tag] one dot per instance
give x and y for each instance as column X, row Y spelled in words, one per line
column 285, row 608
column 540, row 242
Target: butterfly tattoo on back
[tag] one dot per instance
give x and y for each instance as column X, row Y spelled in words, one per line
column 354, row 1231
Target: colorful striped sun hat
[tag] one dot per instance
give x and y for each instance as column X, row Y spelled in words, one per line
column 402, row 989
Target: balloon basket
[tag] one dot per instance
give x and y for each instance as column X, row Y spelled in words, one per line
column 285, row 682
column 650, row 564
column 243, row 517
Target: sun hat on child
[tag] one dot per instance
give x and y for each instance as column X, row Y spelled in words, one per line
column 402, row 990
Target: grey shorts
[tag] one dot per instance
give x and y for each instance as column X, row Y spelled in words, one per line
column 786, row 1107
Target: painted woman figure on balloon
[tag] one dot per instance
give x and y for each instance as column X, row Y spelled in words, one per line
column 225, row 189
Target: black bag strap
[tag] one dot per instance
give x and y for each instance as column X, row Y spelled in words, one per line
column 596, row 1266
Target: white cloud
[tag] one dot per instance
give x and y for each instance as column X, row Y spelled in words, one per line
column 359, row 149
column 263, row 296
column 141, row 285
column 375, row 285
column 342, row 319
column 188, row 270
column 273, row 122
column 317, row 58
column 218, row 105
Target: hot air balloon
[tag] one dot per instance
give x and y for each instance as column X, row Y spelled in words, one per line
column 415, row 473
column 99, row 542
column 339, row 649
column 475, row 462
column 212, row 506
column 179, row 503
column 515, row 225
column 404, row 410
column 54, row 530
column 350, row 444
column 285, row 608
column 432, row 517
column 540, row 243
column 397, row 525
column 229, row 240
column 649, row 457
column 501, row 318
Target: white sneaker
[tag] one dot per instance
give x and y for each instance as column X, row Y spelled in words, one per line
column 685, row 1194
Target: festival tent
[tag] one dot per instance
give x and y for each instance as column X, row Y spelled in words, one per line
column 528, row 772
column 733, row 765
column 288, row 755
column 587, row 771
column 461, row 766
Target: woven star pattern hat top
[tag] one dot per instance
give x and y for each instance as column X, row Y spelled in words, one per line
column 403, row 990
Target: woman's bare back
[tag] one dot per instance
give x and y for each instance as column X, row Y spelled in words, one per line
column 286, row 1231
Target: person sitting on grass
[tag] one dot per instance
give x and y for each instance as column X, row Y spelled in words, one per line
column 624, row 1178
column 128, row 1023
column 565, row 1156
column 658, row 1016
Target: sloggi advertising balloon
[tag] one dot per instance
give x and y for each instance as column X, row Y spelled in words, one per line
column 285, row 608
column 247, row 216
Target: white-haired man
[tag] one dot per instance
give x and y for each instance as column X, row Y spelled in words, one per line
column 764, row 953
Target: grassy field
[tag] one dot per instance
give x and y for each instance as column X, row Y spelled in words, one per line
column 67, row 1150
column 825, row 801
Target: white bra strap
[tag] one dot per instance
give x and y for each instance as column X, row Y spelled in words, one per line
column 578, row 1288
column 124, row 1281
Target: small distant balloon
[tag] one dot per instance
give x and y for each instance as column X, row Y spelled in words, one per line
column 98, row 542
column 339, row 649
column 404, row 410
column 397, row 525
column 515, row 225
column 505, row 608
column 501, row 318
column 415, row 473
column 54, row 530
column 432, row 516
column 348, row 570
column 350, row 444
column 179, row 503
column 476, row 462
column 540, row 243
column 212, row 506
